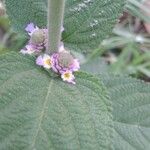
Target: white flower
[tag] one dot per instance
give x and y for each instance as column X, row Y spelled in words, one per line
column 44, row 61
column 68, row 77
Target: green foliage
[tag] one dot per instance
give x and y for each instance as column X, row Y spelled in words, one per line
column 38, row 111
column 55, row 115
column 139, row 9
column 95, row 66
column 126, row 51
column 8, row 37
column 87, row 22
column 132, row 56
column 22, row 12
column 132, row 61
column 131, row 111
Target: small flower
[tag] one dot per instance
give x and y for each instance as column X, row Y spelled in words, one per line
column 29, row 49
column 38, row 37
column 68, row 77
column 31, row 28
column 44, row 61
column 63, row 61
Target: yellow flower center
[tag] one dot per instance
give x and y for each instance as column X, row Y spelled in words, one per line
column 48, row 62
column 67, row 75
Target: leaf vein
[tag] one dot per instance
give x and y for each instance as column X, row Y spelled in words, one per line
column 42, row 114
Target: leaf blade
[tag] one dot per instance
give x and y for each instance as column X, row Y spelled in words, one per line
column 130, row 100
column 86, row 22
column 41, row 112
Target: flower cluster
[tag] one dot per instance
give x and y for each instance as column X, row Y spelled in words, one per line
column 38, row 40
column 61, row 62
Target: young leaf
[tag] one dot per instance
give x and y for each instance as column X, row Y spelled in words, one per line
column 41, row 112
column 131, row 111
column 87, row 22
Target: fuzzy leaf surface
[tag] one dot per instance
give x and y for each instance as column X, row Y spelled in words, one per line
column 86, row 22
column 131, row 110
column 38, row 111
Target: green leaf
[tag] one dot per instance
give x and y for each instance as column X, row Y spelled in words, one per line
column 87, row 22
column 96, row 66
column 131, row 112
column 41, row 112
column 22, row 12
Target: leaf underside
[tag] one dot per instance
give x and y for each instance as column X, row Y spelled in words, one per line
column 131, row 112
column 86, row 22
column 40, row 112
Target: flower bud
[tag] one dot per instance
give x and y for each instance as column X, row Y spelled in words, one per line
column 65, row 59
column 38, row 36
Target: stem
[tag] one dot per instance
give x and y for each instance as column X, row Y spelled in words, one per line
column 55, row 23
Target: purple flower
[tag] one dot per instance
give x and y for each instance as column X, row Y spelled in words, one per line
column 31, row 28
column 38, row 37
column 30, row 49
column 63, row 61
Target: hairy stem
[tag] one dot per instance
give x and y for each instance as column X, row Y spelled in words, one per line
column 55, row 23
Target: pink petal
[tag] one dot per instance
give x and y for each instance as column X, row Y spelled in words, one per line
column 30, row 27
column 39, row 61
column 75, row 66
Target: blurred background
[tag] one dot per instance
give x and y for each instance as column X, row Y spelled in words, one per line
column 126, row 51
